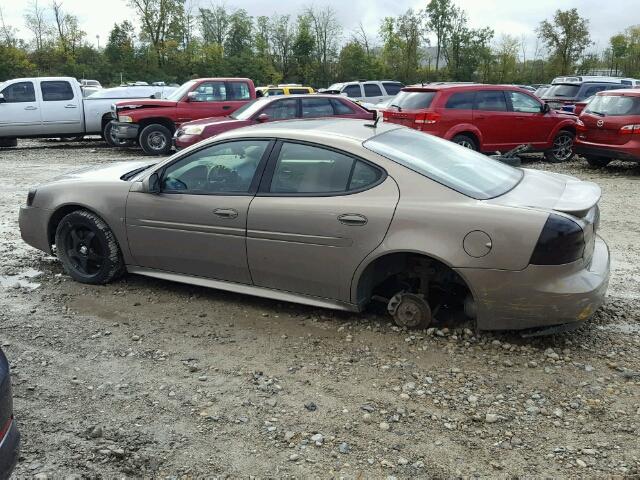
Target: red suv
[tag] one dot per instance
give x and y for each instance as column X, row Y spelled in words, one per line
column 487, row 118
column 609, row 127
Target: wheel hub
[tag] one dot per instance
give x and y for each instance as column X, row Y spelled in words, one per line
column 409, row 310
column 83, row 249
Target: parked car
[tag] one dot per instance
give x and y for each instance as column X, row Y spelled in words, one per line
column 9, row 434
column 269, row 109
column 540, row 90
column 566, row 91
column 337, row 213
column 284, row 89
column 54, row 107
column 90, row 83
column 487, row 118
column 152, row 123
column 369, row 91
column 609, row 128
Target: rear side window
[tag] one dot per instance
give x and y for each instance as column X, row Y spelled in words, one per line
column 461, row 101
column 316, row 107
column 490, row 100
column 19, row 92
column 392, row 88
column 372, row 90
column 562, row 91
column 298, row 91
column 614, row 106
column 284, row 109
column 353, row 91
column 413, row 100
column 56, row 91
column 275, row 92
column 306, row 169
column 238, row 91
column 341, row 108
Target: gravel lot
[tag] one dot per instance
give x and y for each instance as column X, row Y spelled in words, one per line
column 145, row 377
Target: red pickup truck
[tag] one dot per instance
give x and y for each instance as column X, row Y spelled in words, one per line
column 152, row 122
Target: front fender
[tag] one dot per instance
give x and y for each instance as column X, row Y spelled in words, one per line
column 567, row 124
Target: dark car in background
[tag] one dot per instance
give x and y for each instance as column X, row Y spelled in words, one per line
column 487, row 118
column 609, row 128
column 9, row 434
column 565, row 92
column 269, row 109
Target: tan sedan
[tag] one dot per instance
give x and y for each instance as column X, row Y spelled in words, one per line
column 336, row 214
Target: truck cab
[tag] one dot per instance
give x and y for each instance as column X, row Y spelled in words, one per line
column 152, row 123
column 41, row 107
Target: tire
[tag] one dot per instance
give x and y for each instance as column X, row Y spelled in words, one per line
column 8, row 142
column 465, row 141
column 597, row 162
column 88, row 249
column 109, row 137
column 562, row 150
column 155, row 139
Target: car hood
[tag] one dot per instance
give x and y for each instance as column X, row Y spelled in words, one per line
column 145, row 103
column 552, row 191
column 107, row 173
column 212, row 121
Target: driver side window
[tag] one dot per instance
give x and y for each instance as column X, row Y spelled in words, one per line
column 226, row 168
column 524, row 103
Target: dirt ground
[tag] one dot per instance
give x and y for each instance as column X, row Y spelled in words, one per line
column 145, row 377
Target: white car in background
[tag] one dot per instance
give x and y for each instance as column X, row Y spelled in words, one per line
column 368, row 92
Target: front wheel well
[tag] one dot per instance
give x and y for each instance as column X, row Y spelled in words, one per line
column 165, row 122
column 414, row 273
column 58, row 215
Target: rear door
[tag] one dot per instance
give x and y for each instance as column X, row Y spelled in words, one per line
column 353, row 91
column 494, row 120
column 61, row 107
column 318, row 214
column 373, row 93
column 20, row 110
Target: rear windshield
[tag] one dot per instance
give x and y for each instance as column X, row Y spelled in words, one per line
column 562, row 91
column 413, row 100
column 461, row 169
column 614, row 106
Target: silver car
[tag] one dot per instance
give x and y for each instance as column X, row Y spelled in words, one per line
column 338, row 213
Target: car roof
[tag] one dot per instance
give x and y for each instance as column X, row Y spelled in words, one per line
column 627, row 92
column 429, row 87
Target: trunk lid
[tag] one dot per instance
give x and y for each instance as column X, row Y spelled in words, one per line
column 606, row 129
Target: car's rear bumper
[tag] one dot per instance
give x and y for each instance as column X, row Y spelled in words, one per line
column 540, row 296
column 34, row 224
column 629, row 151
column 125, row 131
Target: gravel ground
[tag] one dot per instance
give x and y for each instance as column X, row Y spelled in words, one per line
column 145, row 377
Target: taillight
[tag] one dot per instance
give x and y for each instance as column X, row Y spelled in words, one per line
column 427, row 118
column 561, row 241
column 630, row 129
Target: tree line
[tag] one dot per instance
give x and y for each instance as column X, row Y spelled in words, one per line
column 172, row 41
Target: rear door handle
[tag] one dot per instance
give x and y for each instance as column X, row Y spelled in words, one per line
column 70, row 106
column 31, row 108
column 352, row 219
column 226, row 213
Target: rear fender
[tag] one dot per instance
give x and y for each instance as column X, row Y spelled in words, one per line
column 464, row 128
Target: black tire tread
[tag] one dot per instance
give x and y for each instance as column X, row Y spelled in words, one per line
column 142, row 139
column 549, row 153
column 462, row 136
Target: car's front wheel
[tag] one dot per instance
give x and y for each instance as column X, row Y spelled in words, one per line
column 465, row 141
column 88, row 249
column 8, row 142
column 562, row 149
column 155, row 139
column 596, row 161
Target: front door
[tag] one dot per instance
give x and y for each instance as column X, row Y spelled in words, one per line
column 318, row 214
column 61, row 108
column 530, row 124
column 197, row 224
column 20, row 110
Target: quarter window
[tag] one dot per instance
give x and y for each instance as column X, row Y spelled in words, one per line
column 524, row 103
column 316, row 107
column 298, row 91
column 353, row 91
column 56, row 91
column 305, row 169
column 492, row 100
column 340, row 108
column 461, row 101
column 282, row 109
column 225, row 168
column 19, row 93
column 275, row 92
column 372, row 90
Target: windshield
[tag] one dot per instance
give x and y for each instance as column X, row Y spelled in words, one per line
column 413, row 100
column 461, row 169
column 562, row 91
column 336, row 86
column 614, row 105
column 248, row 110
column 181, row 92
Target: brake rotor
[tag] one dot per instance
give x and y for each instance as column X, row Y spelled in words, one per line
column 410, row 310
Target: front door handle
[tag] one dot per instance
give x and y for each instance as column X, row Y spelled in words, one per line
column 31, row 108
column 226, row 107
column 352, row 219
column 70, row 106
column 226, row 213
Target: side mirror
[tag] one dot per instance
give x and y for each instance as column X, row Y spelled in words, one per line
column 152, row 184
column 2, row 99
column 263, row 117
column 545, row 108
column 192, row 96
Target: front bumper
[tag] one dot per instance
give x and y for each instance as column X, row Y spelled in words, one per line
column 628, row 151
column 540, row 296
column 184, row 140
column 126, row 131
column 34, row 225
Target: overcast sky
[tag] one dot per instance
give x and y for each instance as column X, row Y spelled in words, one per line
column 504, row 16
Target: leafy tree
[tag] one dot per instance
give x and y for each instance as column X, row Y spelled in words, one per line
column 303, row 48
column 566, row 36
column 214, row 23
column 439, row 14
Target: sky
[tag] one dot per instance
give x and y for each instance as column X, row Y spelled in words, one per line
column 504, row 16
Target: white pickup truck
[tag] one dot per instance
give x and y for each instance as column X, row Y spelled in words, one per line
column 54, row 107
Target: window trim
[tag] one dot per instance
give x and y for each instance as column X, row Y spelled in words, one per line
column 255, row 182
column 267, row 176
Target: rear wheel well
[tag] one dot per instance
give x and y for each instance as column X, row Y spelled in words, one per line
column 106, row 118
column 165, row 122
column 414, row 273
column 469, row 134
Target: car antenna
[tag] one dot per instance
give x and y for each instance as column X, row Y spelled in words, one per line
column 375, row 122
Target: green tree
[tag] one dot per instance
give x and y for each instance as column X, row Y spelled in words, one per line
column 566, row 36
column 303, row 48
column 439, row 14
